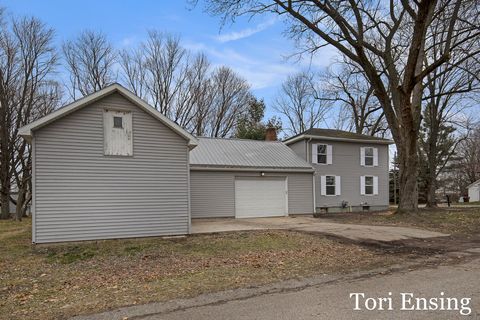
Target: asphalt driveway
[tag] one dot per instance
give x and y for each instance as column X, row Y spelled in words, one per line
column 313, row 225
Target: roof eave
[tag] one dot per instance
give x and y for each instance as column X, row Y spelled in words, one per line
column 309, row 136
column 197, row 167
column 27, row 131
column 473, row 184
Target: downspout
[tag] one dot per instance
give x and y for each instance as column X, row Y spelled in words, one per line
column 307, row 144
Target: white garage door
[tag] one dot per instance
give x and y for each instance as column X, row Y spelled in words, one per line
column 260, row 197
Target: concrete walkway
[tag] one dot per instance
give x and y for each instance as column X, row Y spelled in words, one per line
column 314, row 225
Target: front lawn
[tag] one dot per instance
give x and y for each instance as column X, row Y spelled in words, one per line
column 457, row 221
column 62, row 280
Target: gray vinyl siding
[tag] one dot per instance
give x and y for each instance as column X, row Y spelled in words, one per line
column 80, row 194
column 300, row 148
column 346, row 164
column 212, row 193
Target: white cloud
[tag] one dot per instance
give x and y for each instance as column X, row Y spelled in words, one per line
column 245, row 33
column 128, row 41
column 259, row 72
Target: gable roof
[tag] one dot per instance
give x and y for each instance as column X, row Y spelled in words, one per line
column 336, row 135
column 474, row 184
column 27, row 131
column 251, row 154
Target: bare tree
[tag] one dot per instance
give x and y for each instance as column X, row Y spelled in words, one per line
column 90, row 59
column 392, row 43
column 166, row 62
column 229, row 100
column 360, row 110
column 47, row 98
column 299, row 101
column 134, row 73
column 469, row 155
column 447, row 94
column 27, row 60
column 195, row 94
column 183, row 87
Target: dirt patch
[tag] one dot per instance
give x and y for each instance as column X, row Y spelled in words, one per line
column 461, row 222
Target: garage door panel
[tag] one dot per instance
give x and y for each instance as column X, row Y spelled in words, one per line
column 260, row 197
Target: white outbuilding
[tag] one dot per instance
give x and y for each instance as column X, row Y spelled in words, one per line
column 474, row 191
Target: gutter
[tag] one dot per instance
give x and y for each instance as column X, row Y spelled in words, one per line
column 307, row 136
column 243, row 169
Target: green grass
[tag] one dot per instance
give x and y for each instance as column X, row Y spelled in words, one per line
column 62, row 280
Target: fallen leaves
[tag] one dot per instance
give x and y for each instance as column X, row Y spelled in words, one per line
column 60, row 281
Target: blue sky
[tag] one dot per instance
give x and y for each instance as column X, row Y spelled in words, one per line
column 254, row 48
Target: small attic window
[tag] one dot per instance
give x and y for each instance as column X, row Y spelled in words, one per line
column 118, row 122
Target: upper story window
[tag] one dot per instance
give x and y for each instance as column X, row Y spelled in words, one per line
column 368, row 156
column 118, row 122
column 117, row 133
column 321, row 153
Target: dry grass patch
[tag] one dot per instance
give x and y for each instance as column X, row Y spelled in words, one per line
column 59, row 281
column 457, row 221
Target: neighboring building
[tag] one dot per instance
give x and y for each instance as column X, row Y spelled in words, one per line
column 111, row 166
column 474, row 191
column 351, row 170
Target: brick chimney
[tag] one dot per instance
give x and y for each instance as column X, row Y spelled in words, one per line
column 271, row 134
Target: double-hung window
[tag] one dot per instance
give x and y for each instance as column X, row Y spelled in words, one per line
column 322, row 153
column 368, row 156
column 369, row 185
column 330, row 185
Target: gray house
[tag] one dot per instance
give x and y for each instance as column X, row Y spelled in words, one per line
column 111, row 166
column 351, row 170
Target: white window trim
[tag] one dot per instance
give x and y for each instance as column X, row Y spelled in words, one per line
column 329, row 154
column 363, row 186
column 374, row 156
column 337, row 185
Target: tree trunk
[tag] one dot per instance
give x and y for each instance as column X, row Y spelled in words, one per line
column 20, row 204
column 431, row 188
column 5, row 188
column 5, row 202
column 408, row 166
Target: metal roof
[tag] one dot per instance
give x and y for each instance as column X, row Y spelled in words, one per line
column 339, row 135
column 239, row 153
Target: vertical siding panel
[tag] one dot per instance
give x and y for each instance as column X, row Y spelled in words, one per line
column 81, row 194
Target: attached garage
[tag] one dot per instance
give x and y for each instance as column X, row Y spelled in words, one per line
column 260, row 197
column 247, row 178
